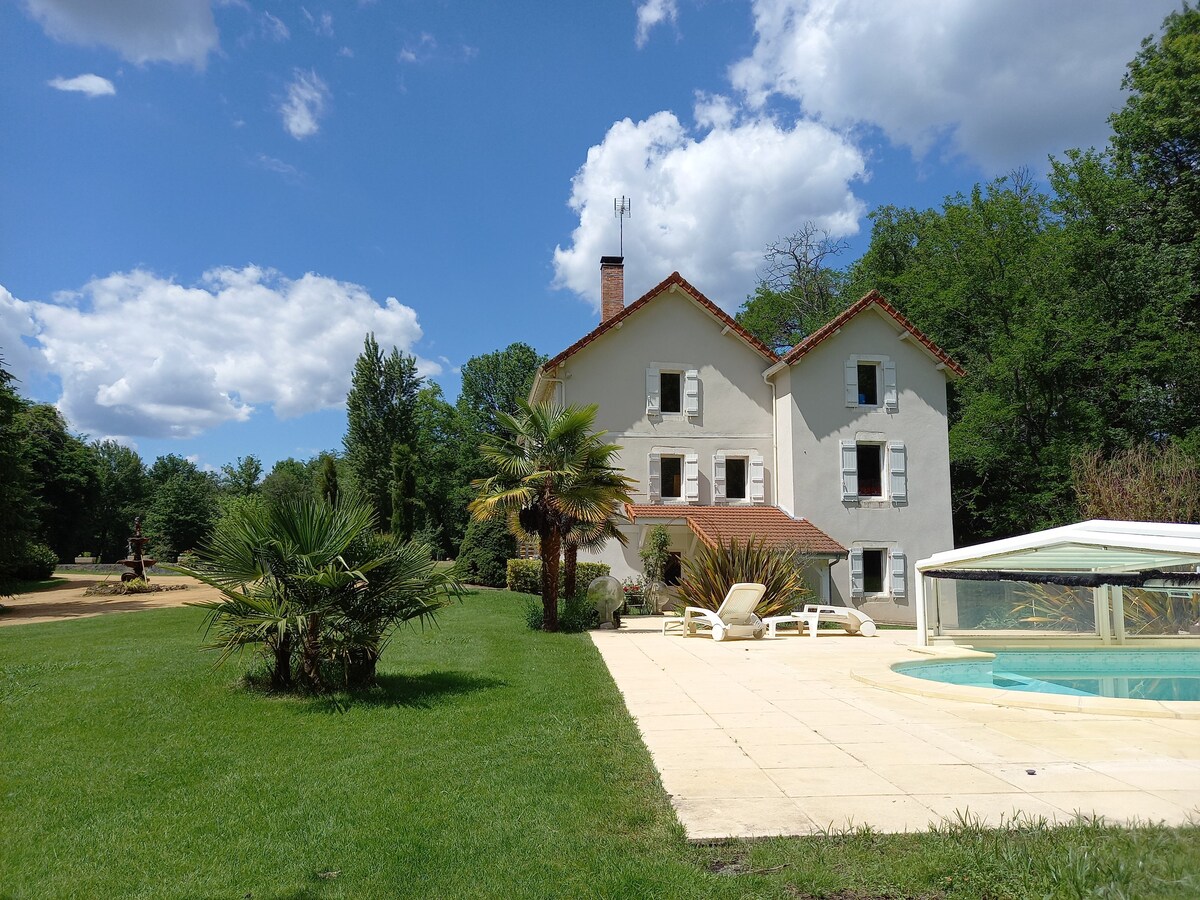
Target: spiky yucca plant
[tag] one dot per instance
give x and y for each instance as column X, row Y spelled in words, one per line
column 707, row 576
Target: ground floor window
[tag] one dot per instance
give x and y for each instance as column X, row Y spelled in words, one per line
column 873, row 561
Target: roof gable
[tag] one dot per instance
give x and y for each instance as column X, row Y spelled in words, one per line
column 672, row 280
column 872, row 300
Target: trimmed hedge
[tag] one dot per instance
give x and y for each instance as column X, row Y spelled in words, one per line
column 525, row 575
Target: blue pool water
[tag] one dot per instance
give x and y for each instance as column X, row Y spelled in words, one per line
column 1133, row 674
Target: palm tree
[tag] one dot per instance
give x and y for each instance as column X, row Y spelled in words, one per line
column 313, row 586
column 603, row 527
column 553, row 477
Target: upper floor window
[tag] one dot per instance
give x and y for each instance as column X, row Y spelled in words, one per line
column 868, row 384
column 672, row 390
column 871, row 382
column 672, row 477
column 735, row 478
column 874, row 471
column 738, row 475
column 673, row 474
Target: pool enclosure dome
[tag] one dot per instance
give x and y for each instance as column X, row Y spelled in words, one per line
column 1108, row 579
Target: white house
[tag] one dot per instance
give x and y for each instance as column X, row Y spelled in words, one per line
column 840, row 446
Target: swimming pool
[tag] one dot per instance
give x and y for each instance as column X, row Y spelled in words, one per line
column 1134, row 674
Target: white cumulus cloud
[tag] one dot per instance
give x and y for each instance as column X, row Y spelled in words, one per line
column 707, row 204
column 307, row 100
column 651, row 13
column 178, row 31
column 1006, row 81
column 143, row 356
column 92, row 85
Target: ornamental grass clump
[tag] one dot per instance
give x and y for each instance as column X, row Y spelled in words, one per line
column 708, row 575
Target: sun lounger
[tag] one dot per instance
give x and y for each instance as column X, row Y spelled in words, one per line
column 851, row 619
column 734, row 617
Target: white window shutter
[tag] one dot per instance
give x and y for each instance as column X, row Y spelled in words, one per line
column 851, row 383
column 897, row 471
column 654, row 477
column 758, row 490
column 652, row 391
column 849, row 470
column 856, row 572
column 891, row 400
column 691, row 478
column 691, row 392
column 718, row 478
column 899, row 574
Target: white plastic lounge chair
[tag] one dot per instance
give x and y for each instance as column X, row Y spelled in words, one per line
column 734, row 617
column 851, row 619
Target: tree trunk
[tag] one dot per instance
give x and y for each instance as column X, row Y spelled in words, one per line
column 281, row 671
column 310, row 654
column 570, row 558
column 551, row 543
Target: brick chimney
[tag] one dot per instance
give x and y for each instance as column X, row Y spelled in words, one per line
column 612, row 286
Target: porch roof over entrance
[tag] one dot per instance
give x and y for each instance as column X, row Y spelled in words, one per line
column 712, row 524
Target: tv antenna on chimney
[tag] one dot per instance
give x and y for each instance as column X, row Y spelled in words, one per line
column 621, row 207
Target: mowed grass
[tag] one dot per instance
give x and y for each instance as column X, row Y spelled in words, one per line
column 492, row 762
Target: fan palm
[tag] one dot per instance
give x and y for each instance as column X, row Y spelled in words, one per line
column 553, row 476
column 310, row 582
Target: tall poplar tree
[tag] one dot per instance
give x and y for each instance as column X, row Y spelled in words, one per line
column 380, row 418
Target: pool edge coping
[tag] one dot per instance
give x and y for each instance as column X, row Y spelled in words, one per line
column 885, row 677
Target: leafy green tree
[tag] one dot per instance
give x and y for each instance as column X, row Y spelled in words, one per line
column 312, row 587
column 124, row 491
column 289, row 480
column 380, row 416
column 493, row 386
column 441, row 489
column 64, row 478
column 545, row 465
column 242, row 478
column 985, row 278
column 16, row 493
column 799, row 291
column 183, row 507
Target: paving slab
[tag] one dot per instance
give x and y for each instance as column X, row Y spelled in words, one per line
column 789, row 736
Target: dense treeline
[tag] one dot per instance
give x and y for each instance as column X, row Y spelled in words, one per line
column 1075, row 310
column 407, row 452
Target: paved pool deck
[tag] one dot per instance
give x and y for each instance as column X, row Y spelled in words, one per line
column 795, row 735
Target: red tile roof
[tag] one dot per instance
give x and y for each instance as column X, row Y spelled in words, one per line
column 673, row 279
column 714, row 523
column 874, row 298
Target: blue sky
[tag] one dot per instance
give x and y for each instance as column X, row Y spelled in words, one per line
column 206, row 205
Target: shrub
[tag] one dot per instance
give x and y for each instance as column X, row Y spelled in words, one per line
column 485, row 549
column 708, row 575
column 525, row 575
column 36, row 563
column 574, row 615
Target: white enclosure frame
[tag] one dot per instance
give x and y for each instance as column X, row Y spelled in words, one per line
column 1096, row 547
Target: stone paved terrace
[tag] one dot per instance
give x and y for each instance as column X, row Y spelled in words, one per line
column 771, row 737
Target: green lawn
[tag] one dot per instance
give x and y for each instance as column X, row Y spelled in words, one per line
column 494, row 762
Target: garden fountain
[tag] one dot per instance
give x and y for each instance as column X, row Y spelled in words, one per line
column 136, row 562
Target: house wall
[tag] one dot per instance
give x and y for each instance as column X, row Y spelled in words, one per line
column 812, row 395
column 672, row 331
